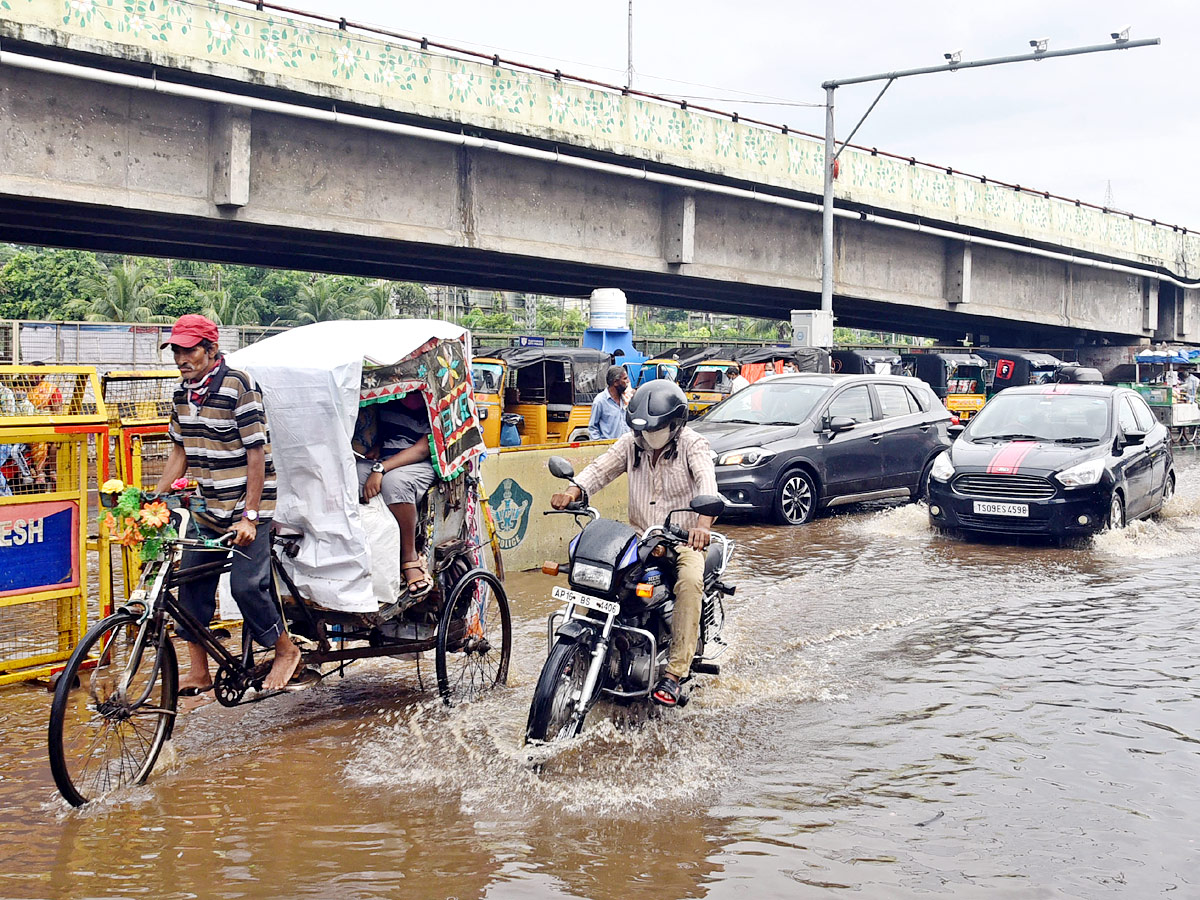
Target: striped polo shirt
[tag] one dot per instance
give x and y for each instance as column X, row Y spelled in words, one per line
column 215, row 437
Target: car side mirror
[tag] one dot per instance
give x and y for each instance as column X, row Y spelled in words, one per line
column 560, row 468
column 838, row 424
column 711, row 505
column 1133, row 438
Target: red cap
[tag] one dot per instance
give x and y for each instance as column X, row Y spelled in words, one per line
column 190, row 330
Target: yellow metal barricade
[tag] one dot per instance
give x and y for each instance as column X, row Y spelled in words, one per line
column 49, row 416
column 139, row 410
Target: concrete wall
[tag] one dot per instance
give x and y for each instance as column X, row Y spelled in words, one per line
column 519, row 487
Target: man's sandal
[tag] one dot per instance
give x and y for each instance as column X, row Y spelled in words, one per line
column 421, row 586
column 666, row 693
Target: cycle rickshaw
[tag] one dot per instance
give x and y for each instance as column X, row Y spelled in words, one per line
column 334, row 558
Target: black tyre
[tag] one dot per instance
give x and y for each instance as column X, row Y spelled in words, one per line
column 795, row 498
column 923, row 483
column 557, row 693
column 1116, row 512
column 105, row 736
column 474, row 638
column 1168, row 491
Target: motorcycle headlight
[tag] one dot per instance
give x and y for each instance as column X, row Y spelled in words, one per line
column 591, row 575
column 747, row 457
column 1082, row 475
column 943, row 469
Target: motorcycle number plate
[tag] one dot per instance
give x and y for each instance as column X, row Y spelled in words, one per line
column 565, row 595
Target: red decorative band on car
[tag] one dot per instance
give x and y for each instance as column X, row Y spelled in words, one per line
column 1008, row 460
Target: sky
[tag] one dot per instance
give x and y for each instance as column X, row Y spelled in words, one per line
column 1124, row 122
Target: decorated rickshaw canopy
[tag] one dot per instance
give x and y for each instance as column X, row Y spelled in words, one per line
column 313, row 381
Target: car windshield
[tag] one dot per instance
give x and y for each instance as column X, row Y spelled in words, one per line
column 486, row 377
column 1060, row 418
column 770, row 403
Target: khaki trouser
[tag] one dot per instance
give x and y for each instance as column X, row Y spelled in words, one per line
column 685, row 621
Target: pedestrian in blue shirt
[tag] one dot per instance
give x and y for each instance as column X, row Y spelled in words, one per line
column 608, row 409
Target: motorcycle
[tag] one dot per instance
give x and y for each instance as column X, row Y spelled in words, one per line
column 612, row 638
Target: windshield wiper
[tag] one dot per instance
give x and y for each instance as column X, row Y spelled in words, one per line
column 733, row 421
column 1009, row 437
column 778, row 423
column 1078, row 440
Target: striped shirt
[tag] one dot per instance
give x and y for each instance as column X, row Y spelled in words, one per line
column 655, row 490
column 215, row 436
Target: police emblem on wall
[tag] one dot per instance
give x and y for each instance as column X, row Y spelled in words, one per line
column 510, row 504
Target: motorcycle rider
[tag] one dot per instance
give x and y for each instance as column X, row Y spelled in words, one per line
column 667, row 464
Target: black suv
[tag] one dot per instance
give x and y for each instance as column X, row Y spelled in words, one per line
column 791, row 445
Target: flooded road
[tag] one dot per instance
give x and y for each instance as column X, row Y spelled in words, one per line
column 900, row 714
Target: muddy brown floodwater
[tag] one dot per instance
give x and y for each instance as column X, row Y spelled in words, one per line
column 900, row 714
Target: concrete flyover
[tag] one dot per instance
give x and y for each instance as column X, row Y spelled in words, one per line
column 235, row 134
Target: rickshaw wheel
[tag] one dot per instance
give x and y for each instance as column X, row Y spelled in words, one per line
column 113, row 709
column 474, row 638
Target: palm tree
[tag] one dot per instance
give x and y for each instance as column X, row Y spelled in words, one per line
column 225, row 310
column 325, row 299
column 124, row 294
column 376, row 302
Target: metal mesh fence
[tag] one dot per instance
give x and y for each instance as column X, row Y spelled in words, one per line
column 138, row 397
column 105, row 345
column 29, row 630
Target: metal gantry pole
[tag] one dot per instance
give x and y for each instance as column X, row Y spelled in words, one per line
column 1119, row 43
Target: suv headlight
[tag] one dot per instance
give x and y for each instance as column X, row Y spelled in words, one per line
column 593, row 576
column 1082, row 475
column 942, row 469
column 746, row 457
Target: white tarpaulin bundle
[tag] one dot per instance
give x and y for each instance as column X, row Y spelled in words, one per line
column 310, row 379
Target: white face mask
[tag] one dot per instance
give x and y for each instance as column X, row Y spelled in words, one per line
column 656, row 440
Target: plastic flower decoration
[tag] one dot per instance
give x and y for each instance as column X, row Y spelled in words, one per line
column 156, row 514
column 180, row 484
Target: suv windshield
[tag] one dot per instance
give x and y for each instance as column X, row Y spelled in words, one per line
column 1062, row 418
column 770, row 403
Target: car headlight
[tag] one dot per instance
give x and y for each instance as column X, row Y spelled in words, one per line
column 942, row 469
column 747, row 456
column 1082, row 475
column 593, row 576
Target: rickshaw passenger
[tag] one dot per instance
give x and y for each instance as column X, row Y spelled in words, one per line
column 394, row 439
column 219, row 433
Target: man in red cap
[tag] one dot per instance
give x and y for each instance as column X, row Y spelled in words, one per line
column 220, row 435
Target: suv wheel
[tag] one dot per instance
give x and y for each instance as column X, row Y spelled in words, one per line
column 796, row 498
column 922, row 492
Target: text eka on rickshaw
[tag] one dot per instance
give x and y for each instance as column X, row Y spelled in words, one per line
column 335, row 560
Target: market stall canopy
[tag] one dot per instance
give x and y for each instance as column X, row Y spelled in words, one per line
column 1184, row 356
column 313, row 380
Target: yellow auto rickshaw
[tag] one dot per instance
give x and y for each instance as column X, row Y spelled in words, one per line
column 550, row 388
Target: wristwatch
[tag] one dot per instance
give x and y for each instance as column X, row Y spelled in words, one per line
column 377, row 467
column 250, row 515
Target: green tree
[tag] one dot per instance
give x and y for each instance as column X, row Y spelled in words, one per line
column 225, row 309
column 40, row 284
column 375, row 301
column 412, row 300
column 123, row 294
column 325, row 299
column 177, row 297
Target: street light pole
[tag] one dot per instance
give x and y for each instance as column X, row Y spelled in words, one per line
column 1120, row 42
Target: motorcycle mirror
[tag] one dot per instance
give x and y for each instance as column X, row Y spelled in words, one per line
column 560, row 468
column 711, row 505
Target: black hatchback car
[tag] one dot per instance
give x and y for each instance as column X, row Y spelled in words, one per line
column 791, row 445
column 1058, row 460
